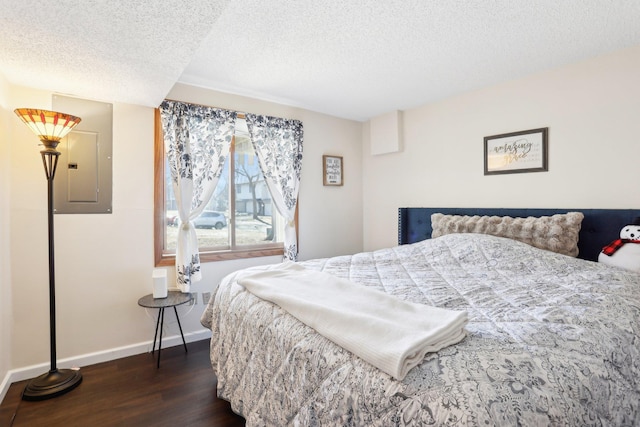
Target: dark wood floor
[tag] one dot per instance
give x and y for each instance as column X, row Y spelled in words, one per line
column 132, row 392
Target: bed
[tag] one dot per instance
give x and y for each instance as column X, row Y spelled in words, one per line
column 551, row 339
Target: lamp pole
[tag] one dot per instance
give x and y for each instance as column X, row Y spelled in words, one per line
column 50, row 161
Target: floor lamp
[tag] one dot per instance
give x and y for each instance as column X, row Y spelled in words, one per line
column 50, row 126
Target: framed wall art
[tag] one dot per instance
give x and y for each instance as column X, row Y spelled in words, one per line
column 516, row 152
column 332, row 170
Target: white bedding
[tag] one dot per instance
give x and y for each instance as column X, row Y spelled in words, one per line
column 392, row 334
column 552, row 340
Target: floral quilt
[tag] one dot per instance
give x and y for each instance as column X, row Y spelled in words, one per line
column 551, row 340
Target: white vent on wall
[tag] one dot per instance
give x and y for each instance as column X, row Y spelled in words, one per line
column 386, row 133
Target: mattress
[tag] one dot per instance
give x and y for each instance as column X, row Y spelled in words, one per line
column 551, row 340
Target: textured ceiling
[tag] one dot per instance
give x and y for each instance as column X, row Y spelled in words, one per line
column 112, row 50
column 355, row 59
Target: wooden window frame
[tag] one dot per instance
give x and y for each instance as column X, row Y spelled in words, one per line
column 167, row 258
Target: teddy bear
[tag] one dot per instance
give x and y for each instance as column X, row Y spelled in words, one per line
column 625, row 251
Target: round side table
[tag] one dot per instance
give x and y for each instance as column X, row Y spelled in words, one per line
column 173, row 299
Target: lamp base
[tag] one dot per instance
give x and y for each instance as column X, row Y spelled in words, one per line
column 52, row 384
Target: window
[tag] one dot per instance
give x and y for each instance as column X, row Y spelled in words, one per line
column 240, row 221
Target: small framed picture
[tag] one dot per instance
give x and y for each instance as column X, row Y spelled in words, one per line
column 516, row 152
column 332, row 170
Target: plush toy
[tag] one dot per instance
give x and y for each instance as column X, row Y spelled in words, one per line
column 625, row 251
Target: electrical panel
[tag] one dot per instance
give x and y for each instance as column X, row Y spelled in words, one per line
column 83, row 181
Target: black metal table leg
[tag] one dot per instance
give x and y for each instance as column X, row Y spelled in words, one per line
column 181, row 334
column 161, row 328
column 155, row 335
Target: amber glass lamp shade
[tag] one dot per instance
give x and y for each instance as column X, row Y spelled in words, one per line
column 50, row 126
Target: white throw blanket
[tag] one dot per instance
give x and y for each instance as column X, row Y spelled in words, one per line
column 391, row 334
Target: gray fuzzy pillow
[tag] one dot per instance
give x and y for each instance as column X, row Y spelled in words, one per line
column 556, row 233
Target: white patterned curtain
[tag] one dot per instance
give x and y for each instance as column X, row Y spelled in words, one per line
column 197, row 140
column 278, row 144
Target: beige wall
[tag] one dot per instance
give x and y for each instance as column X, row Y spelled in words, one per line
column 592, row 110
column 104, row 262
column 5, row 277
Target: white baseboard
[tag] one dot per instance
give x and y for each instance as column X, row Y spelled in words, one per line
column 32, row 371
column 4, row 385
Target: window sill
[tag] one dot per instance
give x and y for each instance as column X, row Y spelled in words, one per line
column 169, row 259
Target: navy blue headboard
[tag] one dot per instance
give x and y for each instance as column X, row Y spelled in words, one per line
column 599, row 227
